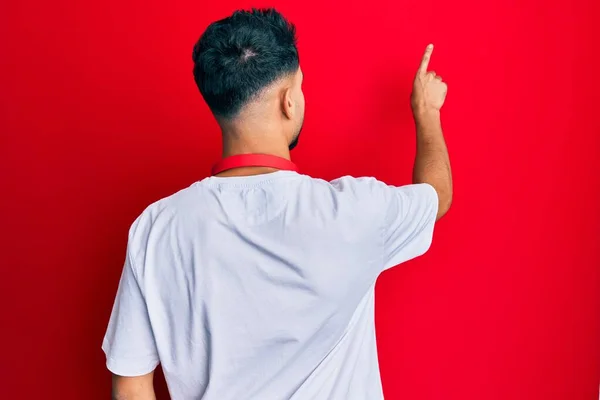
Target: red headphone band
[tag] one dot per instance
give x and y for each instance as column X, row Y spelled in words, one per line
column 253, row 160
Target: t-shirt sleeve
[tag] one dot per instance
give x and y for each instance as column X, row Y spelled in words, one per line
column 129, row 342
column 409, row 217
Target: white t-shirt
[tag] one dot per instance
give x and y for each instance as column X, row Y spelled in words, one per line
column 262, row 287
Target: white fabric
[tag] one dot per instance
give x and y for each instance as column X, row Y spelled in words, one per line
column 262, row 287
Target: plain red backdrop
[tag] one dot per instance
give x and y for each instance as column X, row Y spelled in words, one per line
column 99, row 117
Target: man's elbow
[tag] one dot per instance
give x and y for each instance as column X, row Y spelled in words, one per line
column 444, row 203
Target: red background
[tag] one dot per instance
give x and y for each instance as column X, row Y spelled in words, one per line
column 99, row 117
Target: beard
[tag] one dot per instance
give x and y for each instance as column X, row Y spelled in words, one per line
column 294, row 142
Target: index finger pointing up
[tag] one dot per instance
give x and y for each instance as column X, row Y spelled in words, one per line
column 425, row 60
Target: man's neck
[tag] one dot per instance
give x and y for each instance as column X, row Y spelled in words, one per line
column 274, row 145
column 227, row 152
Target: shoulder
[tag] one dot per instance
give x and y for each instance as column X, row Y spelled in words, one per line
column 367, row 191
column 380, row 198
column 161, row 211
column 359, row 186
column 357, row 197
column 376, row 190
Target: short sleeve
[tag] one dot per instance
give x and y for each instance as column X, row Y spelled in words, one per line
column 409, row 217
column 129, row 342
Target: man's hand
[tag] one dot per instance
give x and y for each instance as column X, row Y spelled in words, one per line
column 429, row 91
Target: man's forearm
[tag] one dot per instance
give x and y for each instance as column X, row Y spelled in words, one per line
column 432, row 163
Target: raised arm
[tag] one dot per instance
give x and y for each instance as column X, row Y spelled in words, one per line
column 432, row 163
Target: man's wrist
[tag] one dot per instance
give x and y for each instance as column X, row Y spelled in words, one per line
column 426, row 114
column 427, row 119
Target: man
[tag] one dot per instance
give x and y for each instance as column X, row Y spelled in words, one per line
column 258, row 282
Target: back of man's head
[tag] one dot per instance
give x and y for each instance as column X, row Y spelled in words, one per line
column 239, row 56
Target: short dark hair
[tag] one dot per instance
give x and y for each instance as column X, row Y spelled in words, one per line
column 237, row 57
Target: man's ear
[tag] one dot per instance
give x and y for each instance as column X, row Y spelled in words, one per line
column 287, row 103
